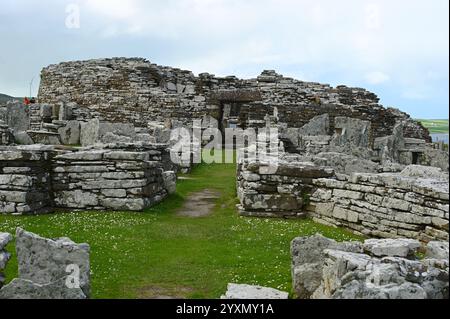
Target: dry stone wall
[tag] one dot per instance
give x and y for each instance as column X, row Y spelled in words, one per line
column 138, row 92
column 384, row 205
column 413, row 203
column 40, row 179
column 114, row 180
column 279, row 193
column 25, row 181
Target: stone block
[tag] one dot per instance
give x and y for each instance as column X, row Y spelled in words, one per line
column 392, row 247
column 396, row 204
column 70, row 133
column 347, row 194
column 75, row 199
column 124, row 204
column 127, row 156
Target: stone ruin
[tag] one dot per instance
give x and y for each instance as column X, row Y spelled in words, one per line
column 99, row 138
column 84, row 102
column 107, row 125
column 376, row 269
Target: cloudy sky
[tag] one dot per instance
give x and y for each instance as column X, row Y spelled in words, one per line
column 398, row 49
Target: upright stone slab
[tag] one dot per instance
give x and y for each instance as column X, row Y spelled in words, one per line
column 45, row 261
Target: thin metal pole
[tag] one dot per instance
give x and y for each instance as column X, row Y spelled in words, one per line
column 31, row 84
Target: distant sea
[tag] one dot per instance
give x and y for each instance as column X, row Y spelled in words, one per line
column 440, row 138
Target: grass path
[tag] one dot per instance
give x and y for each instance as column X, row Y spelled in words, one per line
column 158, row 253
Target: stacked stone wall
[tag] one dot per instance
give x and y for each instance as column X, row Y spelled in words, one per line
column 137, row 91
column 113, row 180
column 384, row 205
column 25, row 181
column 42, row 180
column 280, row 191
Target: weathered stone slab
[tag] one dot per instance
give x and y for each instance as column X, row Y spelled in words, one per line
column 238, row 291
column 75, row 199
column 127, row 156
column 70, row 133
column 392, row 247
column 44, row 261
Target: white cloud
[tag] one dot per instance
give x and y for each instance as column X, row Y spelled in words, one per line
column 342, row 42
column 376, row 77
column 114, row 9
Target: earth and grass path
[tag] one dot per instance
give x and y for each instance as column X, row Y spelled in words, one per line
column 172, row 251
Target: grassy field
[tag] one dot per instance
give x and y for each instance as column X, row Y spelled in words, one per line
column 436, row 126
column 157, row 253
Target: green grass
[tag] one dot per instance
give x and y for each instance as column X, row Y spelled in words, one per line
column 139, row 255
column 436, row 126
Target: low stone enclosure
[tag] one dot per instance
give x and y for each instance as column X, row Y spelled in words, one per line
column 41, row 179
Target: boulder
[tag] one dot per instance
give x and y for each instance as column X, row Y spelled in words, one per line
column 351, row 131
column 17, row 116
column 4, row 258
column 362, row 271
column 319, row 125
